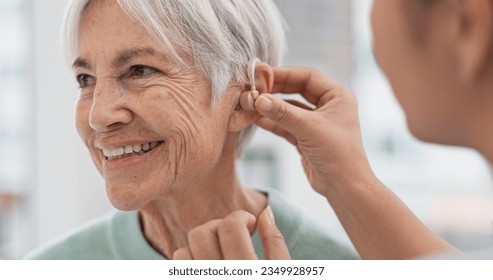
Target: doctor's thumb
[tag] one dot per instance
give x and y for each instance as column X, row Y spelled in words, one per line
column 272, row 240
column 286, row 115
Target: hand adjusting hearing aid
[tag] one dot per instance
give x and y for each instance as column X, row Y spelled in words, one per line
column 247, row 98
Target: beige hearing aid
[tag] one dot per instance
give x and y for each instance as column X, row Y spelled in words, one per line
column 247, row 98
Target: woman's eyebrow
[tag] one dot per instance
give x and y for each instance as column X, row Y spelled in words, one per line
column 81, row 63
column 126, row 56
column 121, row 58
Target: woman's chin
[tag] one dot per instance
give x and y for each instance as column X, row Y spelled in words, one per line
column 124, row 205
column 125, row 199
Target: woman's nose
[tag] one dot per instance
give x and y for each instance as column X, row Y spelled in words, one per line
column 109, row 109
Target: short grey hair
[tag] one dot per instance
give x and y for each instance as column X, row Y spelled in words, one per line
column 220, row 35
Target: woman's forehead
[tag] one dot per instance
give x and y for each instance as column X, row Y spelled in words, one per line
column 109, row 19
column 107, row 28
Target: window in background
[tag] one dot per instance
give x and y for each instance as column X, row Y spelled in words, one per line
column 16, row 160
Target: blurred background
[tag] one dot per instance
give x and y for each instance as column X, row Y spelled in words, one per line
column 48, row 184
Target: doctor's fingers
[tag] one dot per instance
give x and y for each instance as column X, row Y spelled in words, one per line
column 316, row 87
column 289, row 121
column 278, row 115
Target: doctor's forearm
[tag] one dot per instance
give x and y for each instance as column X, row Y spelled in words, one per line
column 379, row 224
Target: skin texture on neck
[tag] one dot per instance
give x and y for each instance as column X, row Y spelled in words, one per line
column 166, row 225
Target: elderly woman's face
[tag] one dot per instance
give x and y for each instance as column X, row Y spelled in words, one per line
column 148, row 123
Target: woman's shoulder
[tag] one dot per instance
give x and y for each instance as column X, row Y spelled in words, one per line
column 305, row 238
column 92, row 240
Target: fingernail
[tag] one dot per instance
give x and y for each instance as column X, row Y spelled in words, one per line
column 263, row 104
column 271, row 215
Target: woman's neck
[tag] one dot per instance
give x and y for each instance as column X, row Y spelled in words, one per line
column 167, row 222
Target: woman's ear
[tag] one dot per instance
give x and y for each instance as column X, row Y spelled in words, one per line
column 475, row 37
column 264, row 81
column 264, row 77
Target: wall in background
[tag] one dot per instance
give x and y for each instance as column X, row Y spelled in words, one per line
column 17, row 167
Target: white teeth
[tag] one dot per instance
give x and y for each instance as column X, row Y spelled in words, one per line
column 107, row 153
column 129, row 149
column 118, row 152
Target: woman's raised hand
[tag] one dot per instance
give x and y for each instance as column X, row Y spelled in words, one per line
column 230, row 239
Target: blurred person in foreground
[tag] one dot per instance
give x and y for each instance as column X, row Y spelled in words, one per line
column 438, row 57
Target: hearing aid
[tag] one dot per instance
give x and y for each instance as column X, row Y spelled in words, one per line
column 247, row 98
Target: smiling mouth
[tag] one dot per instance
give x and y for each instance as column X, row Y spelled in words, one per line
column 130, row 150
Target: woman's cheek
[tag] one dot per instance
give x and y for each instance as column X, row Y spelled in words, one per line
column 183, row 139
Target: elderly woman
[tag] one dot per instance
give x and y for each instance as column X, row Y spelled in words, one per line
column 158, row 110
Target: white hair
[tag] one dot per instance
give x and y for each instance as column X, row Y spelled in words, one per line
column 220, row 35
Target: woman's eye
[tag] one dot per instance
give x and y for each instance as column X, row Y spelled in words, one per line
column 141, row 71
column 85, row 80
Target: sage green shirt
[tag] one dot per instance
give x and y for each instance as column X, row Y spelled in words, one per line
column 118, row 235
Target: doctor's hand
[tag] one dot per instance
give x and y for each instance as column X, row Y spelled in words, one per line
column 230, row 239
column 328, row 138
column 327, row 135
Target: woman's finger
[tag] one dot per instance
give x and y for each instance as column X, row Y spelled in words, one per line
column 183, row 254
column 235, row 239
column 203, row 241
column 273, row 242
